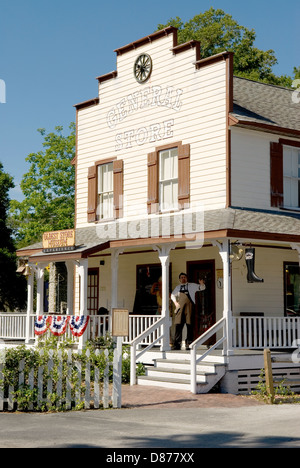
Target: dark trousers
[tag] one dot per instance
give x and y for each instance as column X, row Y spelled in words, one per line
column 184, row 316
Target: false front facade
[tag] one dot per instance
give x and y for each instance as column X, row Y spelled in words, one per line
column 182, row 167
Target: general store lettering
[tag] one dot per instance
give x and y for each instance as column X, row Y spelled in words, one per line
column 153, row 96
column 150, row 134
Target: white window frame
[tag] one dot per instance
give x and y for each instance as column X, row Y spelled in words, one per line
column 291, row 177
column 105, row 195
column 168, row 179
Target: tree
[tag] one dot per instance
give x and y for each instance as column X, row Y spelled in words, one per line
column 217, row 31
column 48, row 189
column 12, row 286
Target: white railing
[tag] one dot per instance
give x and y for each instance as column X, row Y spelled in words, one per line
column 157, row 329
column 247, row 332
column 13, row 327
column 265, row 332
column 220, row 325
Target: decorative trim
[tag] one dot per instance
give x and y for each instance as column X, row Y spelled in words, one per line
column 85, row 104
column 148, row 39
column 107, row 76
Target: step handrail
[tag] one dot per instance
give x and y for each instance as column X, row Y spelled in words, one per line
column 201, row 340
column 133, row 344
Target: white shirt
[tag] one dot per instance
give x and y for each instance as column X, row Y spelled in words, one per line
column 192, row 289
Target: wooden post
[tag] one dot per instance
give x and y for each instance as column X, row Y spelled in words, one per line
column 269, row 374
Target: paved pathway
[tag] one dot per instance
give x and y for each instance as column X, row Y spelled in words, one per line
column 139, row 396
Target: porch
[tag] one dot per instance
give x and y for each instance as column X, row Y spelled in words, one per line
column 238, row 314
column 248, row 333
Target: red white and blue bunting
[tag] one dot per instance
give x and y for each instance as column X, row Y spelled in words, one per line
column 41, row 324
column 78, row 324
column 57, row 324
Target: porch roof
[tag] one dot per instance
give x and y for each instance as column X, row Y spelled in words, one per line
column 235, row 223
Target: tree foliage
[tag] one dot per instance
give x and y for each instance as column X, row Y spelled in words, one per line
column 217, row 31
column 48, row 188
column 12, row 286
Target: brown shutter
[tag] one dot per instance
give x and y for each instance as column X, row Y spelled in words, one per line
column 276, row 152
column 92, row 194
column 118, row 188
column 152, row 202
column 183, row 176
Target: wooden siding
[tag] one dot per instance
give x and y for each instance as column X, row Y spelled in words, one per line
column 250, row 168
column 200, row 121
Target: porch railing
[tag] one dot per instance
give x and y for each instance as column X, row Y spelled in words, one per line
column 247, row 332
column 156, row 330
column 13, row 327
column 220, row 325
column 265, row 332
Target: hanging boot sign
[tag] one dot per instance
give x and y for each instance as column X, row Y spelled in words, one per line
column 250, row 262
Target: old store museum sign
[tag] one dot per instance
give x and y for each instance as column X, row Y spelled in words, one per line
column 59, row 241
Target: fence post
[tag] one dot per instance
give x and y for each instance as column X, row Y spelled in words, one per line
column 269, row 374
column 117, row 375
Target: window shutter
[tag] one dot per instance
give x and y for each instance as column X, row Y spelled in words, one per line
column 152, row 202
column 276, row 152
column 183, row 176
column 118, row 188
column 92, row 194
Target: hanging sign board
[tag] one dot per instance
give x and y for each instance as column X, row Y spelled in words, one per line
column 120, row 322
column 59, row 241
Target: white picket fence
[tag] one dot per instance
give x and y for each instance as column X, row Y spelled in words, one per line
column 70, row 391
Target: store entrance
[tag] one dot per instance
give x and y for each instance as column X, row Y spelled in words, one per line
column 205, row 306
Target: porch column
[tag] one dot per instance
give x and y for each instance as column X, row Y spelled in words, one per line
column 70, row 288
column 117, row 384
column 114, row 276
column 224, row 250
column 30, row 285
column 164, row 257
column 83, row 275
column 40, row 289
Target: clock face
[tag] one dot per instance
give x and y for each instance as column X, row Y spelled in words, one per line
column 142, row 68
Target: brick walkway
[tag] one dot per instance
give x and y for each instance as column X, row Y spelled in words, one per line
column 156, row 397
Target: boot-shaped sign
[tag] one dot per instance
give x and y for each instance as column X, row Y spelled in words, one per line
column 250, row 262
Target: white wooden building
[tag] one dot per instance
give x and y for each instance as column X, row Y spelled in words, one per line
column 182, row 167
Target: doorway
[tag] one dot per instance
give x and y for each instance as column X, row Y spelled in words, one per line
column 93, row 291
column 205, row 301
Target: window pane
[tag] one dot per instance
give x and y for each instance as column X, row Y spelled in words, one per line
column 292, row 289
column 168, row 165
column 287, row 162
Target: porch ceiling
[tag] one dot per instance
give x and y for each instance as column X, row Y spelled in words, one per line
column 234, row 223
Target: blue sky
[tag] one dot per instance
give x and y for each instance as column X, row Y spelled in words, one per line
column 52, row 51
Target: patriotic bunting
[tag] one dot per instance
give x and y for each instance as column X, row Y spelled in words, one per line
column 78, row 324
column 41, row 324
column 57, row 324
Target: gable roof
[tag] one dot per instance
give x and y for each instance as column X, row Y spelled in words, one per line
column 264, row 105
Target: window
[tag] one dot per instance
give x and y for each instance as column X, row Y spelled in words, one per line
column 105, row 202
column 105, row 190
column 291, row 177
column 168, row 179
column 93, row 291
column 292, row 289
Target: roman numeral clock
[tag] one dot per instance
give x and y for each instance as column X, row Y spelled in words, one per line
column 142, row 68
